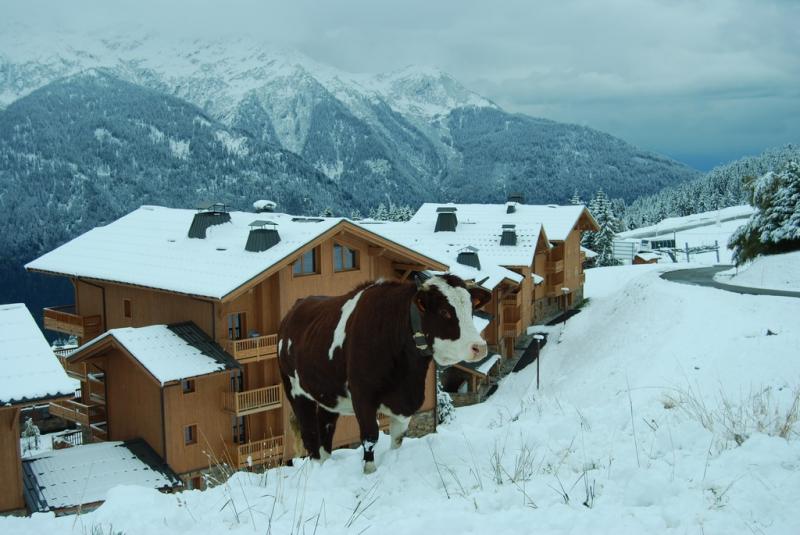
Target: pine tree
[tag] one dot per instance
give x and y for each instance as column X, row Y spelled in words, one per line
column 775, row 226
column 445, row 410
column 576, row 198
column 602, row 241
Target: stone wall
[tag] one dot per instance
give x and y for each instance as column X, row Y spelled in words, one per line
column 422, row 423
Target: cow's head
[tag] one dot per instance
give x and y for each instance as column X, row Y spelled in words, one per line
column 446, row 304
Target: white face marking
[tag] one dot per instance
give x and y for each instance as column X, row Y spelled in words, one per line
column 449, row 352
column 339, row 333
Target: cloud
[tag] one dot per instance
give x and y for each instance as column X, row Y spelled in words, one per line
column 678, row 76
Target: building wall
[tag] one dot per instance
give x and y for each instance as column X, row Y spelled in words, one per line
column 203, row 408
column 10, row 464
column 133, row 400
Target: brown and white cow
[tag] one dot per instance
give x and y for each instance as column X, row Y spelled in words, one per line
column 368, row 351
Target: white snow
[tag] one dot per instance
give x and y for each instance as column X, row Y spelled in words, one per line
column 150, row 247
column 703, row 219
column 179, row 148
column 236, row 145
column 167, row 356
column 84, row 474
column 773, row 272
column 28, row 368
column 630, row 420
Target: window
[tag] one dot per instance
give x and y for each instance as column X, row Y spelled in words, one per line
column 188, row 386
column 306, row 264
column 190, row 435
column 239, row 431
column 126, row 308
column 344, row 258
column 236, row 326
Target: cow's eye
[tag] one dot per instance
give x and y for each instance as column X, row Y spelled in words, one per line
column 445, row 314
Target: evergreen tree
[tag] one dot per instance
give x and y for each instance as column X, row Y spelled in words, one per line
column 576, row 198
column 602, row 241
column 445, row 410
column 327, row 212
column 775, row 226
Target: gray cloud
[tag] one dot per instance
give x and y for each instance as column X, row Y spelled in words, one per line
column 692, row 78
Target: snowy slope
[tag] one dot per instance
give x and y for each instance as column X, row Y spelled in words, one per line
column 614, row 442
column 774, row 272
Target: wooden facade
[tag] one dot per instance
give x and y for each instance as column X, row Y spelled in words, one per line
column 238, row 418
column 10, row 463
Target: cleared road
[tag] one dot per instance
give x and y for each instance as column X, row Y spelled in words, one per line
column 705, row 277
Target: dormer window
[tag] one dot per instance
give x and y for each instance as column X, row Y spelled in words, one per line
column 344, row 258
column 307, row 264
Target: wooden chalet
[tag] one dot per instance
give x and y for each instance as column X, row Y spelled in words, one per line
column 177, row 312
column 29, row 375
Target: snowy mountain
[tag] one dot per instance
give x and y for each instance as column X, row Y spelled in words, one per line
column 406, row 136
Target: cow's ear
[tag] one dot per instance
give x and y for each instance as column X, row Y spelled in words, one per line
column 479, row 297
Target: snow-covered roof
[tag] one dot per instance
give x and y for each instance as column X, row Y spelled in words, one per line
column 588, row 252
column 482, row 235
column 481, row 368
column 647, row 256
column 84, row 474
column 674, row 224
column 150, row 247
column 28, row 368
column 558, row 221
column 169, row 352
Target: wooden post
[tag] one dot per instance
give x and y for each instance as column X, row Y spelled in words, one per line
column 686, row 244
column 716, row 245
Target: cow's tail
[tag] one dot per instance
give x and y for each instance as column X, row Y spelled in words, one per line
column 297, row 439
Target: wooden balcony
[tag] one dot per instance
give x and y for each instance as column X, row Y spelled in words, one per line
column 73, row 411
column 268, row 451
column 253, row 401
column 63, row 319
column 555, row 266
column 254, row 349
column 512, row 328
column 514, row 299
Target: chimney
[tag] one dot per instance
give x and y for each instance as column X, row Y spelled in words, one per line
column 208, row 216
column 263, row 235
column 446, row 220
column 264, row 206
column 509, row 236
column 469, row 257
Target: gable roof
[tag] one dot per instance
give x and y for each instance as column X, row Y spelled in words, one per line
column 150, row 247
column 558, row 221
column 29, row 370
column 168, row 352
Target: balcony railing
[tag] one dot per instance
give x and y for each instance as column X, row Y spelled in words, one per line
column 253, row 401
column 512, row 328
column 256, row 348
column 72, row 410
column 268, row 451
column 555, row 266
column 63, row 319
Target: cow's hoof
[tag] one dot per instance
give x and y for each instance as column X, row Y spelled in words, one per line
column 369, row 467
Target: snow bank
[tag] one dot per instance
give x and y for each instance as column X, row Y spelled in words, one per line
column 612, row 443
column 773, row 272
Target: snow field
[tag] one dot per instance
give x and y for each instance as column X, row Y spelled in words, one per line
column 626, row 435
column 774, row 272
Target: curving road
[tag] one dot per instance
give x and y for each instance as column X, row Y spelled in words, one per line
column 705, row 277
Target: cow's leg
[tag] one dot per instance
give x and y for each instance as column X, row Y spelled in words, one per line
column 366, row 414
column 326, row 425
column 306, row 412
column 398, row 425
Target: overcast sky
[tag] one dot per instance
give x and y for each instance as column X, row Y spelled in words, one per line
column 703, row 81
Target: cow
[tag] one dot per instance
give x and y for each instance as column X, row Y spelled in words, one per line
column 369, row 350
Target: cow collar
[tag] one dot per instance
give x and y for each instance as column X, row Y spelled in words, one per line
column 420, row 340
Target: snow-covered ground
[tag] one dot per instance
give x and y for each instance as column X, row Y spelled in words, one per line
column 660, row 411
column 774, row 272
